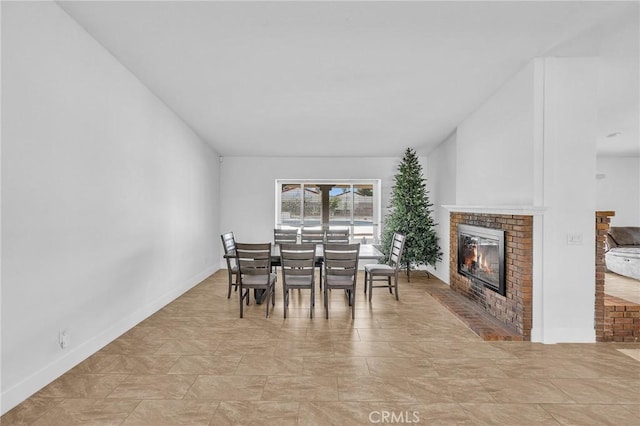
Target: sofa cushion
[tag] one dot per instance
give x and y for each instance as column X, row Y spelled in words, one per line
column 631, row 252
column 625, row 235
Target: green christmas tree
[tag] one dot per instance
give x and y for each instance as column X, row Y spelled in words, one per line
column 410, row 214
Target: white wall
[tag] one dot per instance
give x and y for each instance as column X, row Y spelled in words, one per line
column 247, row 187
column 568, row 275
column 532, row 146
column 495, row 147
column 618, row 189
column 109, row 201
column 441, row 181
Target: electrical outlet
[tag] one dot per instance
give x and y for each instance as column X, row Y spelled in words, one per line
column 64, row 339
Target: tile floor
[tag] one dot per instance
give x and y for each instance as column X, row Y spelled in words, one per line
column 623, row 287
column 409, row 361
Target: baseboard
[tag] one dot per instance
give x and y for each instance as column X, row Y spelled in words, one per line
column 440, row 274
column 563, row 335
column 39, row 379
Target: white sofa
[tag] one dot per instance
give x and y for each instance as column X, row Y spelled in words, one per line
column 622, row 254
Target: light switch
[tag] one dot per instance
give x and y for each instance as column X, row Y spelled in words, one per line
column 574, row 239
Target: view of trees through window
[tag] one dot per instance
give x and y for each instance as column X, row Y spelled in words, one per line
column 349, row 205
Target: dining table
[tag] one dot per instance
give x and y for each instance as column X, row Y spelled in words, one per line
column 367, row 252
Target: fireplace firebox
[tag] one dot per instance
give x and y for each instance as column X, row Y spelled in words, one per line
column 481, row 256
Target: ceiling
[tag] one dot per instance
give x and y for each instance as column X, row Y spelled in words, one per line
column 358, row 78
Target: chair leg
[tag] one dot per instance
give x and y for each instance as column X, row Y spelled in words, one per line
column 370, row 284
column 365, row 281
column 389, row 281
column 396, row 285
column 324, row 296
column 312, row 302
column 326, row 301
column 267, row 315
column 273, row 295
column 285, row 301
column 241, row 301
column 268, row 292
column 353, row 303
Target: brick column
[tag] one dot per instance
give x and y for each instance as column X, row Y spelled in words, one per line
column 603, row 219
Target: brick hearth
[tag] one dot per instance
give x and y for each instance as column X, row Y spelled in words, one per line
column 478, row 320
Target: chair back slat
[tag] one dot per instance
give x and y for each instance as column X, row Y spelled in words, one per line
column 284, row 236
column 340, row 236
column 341, row 259
column 228, row 242
column 229, row 246
column 312, row 236
column 397, row 246
column 298, row 259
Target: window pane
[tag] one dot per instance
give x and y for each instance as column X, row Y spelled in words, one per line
column 312, row 205
column 340, row 203
column 290, row 205
column 363, row 211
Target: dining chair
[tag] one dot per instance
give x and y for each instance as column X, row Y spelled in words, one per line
column 341, row 272
column 283, row 236
column 254, row 272
column 384, row 272
column 315, row 236
column 229, row 245
column 298, row 271
column 339, row 236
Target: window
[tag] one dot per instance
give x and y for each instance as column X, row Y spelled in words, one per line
column 354, row 205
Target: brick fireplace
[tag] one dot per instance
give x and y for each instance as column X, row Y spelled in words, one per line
column 514, row 309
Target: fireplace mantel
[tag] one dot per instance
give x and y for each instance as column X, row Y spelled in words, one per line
column 505, row 209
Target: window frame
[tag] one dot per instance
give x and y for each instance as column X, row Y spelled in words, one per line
column 377, row 203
